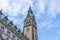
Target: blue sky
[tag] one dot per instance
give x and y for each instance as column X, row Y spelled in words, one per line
column 47, row 14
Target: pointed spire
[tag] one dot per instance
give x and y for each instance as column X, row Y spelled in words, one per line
column 30, row 13
column 30, row 10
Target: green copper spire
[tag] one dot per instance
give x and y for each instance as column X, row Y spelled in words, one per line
column 30, row 10
column 30, row 13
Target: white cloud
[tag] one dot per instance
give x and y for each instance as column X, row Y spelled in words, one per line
column 53, row 8
column 4, row 4
column 0, row 8
column 38, row 16
column 13, row 7
column 45, row 24
column 41, row 5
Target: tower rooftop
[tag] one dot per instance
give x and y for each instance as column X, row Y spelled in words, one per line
column 30, row 13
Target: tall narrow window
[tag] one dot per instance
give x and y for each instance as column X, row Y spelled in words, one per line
column 8, row 33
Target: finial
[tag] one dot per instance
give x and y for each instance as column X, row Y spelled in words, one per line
column 30, row 13
column 30, row 10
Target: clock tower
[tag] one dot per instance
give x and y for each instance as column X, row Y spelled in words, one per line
column 30, row 29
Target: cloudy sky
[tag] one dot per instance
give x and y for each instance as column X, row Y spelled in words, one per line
column 47, row 14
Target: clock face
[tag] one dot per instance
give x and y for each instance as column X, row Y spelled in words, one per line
column 27, row 29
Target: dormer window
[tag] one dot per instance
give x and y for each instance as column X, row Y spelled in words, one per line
column 4, row 20
column 19, row 30
column 10, row 24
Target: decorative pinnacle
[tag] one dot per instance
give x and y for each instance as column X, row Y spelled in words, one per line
column 30, row 10
column 30, row 13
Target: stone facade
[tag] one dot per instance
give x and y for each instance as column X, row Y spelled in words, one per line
column 9, row 31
